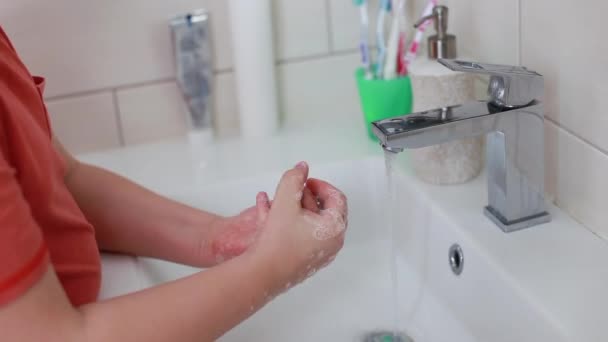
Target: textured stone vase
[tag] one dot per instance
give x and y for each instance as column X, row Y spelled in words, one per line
column 452, row 162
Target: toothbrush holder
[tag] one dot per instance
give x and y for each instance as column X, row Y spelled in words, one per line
column 383, row 99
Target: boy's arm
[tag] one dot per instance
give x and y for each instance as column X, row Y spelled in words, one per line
column 131, row 219
column 201, row 307
column 198, row 308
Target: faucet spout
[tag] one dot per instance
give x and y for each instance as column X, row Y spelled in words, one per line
column 392, row 149
column 515, row 152
column 513, row 121
column 436, row 126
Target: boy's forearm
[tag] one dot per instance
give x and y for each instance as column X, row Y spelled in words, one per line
column 130, row 219
column 198, row 308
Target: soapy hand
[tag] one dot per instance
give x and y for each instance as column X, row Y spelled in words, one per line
column 231, row 236
column 303, row 229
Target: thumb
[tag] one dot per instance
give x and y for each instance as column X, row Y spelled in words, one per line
column 289, row 191
column 262, row 204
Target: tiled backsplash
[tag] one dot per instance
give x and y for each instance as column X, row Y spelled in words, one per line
column 110, row 72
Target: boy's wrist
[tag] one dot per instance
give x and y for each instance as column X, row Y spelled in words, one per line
column 201, row 231
column 271, row 278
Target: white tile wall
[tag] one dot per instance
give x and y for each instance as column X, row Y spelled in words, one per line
column 90, row 45
column 85, row 123
column 90, row 49
column 99, row 47
column 568, row 47
column 157, row 111
column 308, row 95
column 152, row 112
column 226, row 120
column 485, row 29
column 345, row 24
column 576, row 176
column 300, row 28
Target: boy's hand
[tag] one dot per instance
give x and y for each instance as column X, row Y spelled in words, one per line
column 231, row 236
column 297, row 241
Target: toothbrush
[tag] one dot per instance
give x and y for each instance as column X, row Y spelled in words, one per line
column 413, row 49
column 364, row 39
column 401, row 66
column 396, row 36
column 385, row 6
column 393, row 44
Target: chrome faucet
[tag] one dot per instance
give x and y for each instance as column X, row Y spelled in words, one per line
column 513, row 120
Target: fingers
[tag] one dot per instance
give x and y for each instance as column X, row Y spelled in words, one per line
column 262, row 204
column 309, row 200
column 331, row 222
column 289, row 193
column 328, row 225
column 329, row 196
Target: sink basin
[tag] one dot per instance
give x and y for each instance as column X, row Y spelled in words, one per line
column 497, row 297
column 347, row 300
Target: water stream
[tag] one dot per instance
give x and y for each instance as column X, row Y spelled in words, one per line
column 389, row 159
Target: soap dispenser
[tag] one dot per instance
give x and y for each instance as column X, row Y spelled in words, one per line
column 442, row 44
column 434, row 86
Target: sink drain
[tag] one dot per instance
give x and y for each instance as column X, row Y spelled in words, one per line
column 456, row 259
column 386, row 336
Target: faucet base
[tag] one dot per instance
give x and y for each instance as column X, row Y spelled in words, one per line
column 511, row 226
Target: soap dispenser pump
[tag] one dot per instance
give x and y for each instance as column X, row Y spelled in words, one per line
column 442, row 44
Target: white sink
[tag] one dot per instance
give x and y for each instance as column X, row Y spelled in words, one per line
column 509, row 290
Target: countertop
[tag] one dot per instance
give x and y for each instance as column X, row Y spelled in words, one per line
column 176, row 165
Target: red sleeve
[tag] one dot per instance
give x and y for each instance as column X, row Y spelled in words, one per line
column 23, row 253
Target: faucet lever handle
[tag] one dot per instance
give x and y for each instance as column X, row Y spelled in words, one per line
column 489, row 69
column 510, row 86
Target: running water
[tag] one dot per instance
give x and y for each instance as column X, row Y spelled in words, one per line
column 389, row 159
column 407, row 235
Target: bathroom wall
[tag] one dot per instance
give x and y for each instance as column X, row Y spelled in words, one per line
column 564, row 41
column 111, row 78
column 110, row 73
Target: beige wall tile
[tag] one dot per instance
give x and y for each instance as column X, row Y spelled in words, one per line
column 312, row 91
column 226, row 106
column 568, row 47
column 301, row 28
column 152, row 112
column 157, row 111
column 576, row 175
column 486, row 30
column 85, row 123
column 88, row 45
column 345, row 23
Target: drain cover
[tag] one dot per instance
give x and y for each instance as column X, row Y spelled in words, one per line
column 386, row 336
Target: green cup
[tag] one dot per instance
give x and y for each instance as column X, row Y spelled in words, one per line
column 383, row 99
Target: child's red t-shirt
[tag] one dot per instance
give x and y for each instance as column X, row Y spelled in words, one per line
column 40, row 222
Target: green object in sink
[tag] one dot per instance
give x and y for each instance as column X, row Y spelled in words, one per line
column 383, row 99
column 384, row 336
